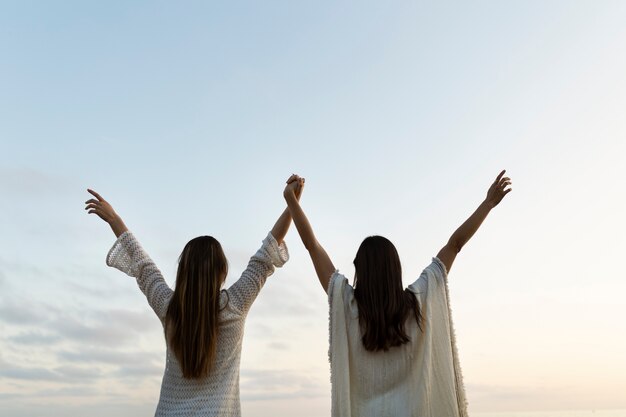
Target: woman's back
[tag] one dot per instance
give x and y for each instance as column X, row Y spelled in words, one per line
column 219, row 390
column 216, row 394
column 417, row 378
column 209, row 353
column 380, row 364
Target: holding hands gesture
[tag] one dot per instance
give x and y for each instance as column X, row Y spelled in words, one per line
column 294, row 187
column 321, row 261
column 100, row 207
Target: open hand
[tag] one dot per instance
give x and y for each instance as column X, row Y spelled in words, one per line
column 498, row 190
column 295, row 185
column 104, row 210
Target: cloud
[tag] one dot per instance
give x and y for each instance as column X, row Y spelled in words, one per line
column 71, row 391
column 285, row 298
column 66, row 373
column 88, row 368
column 14, row 273
column 108, row 291
column 108, row 356
column 140, row 370
column 62, row 402
column 262, row 384
column 20, row 313
column 35, row 338
column 39, row 323
column 72, row 372
column 49, row 348
column 29, row 374
column 99, row 333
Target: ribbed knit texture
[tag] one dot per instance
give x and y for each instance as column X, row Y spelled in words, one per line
column 421, row 378
column 218, row 393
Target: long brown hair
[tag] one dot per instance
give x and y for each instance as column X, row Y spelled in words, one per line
column 191, row 321
column 384, row 305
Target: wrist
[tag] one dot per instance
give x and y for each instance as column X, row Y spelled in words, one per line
column 487, row 204
column 290, row 197
column 118, row 226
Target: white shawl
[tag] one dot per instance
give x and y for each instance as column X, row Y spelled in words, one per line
column 419, row 379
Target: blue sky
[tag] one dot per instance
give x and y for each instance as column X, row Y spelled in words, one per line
column 188, row 117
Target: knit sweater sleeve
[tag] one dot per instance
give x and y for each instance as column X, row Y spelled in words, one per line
column 261, row 265
column 128, row 256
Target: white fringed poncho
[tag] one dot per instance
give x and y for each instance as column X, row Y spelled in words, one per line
column 421, row 378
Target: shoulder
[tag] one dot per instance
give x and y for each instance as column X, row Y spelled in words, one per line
column 435, row 272
column 337, row 283
column 438, row 268
column 338, row 286
column 341, row 295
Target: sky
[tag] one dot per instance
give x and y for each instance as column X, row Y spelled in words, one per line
column 189, row 117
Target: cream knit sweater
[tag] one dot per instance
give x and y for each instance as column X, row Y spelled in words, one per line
column 218, row 393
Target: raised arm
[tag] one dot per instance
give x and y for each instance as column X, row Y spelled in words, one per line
column 281, row 226
column 464, row 233
column 128, row 256
column 272, row 254
column 321, row 261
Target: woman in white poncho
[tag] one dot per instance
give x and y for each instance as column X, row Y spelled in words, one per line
column 392, row 350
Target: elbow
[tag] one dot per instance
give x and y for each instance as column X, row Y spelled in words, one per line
column 311, row 246
column 455, row 245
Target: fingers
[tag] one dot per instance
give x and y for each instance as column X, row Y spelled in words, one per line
column 95, row 208
column 499, row 176
column 294, row 177
column 95, row 194
column 99, row 214
column 98, row 207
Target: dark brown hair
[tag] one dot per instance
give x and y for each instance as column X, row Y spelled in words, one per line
column 191, row 322
column 384, row 305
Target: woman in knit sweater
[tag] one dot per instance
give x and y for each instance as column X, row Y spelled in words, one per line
column 203, row 323
column 392, row 350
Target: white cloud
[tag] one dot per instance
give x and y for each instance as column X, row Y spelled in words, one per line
column 273, row 384
column 35, row 337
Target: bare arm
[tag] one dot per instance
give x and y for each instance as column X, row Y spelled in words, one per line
column 282, row 226
column 128, row 256
column 284, row 221
column 464, row 233
column 262, row 264
column 321, row 261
